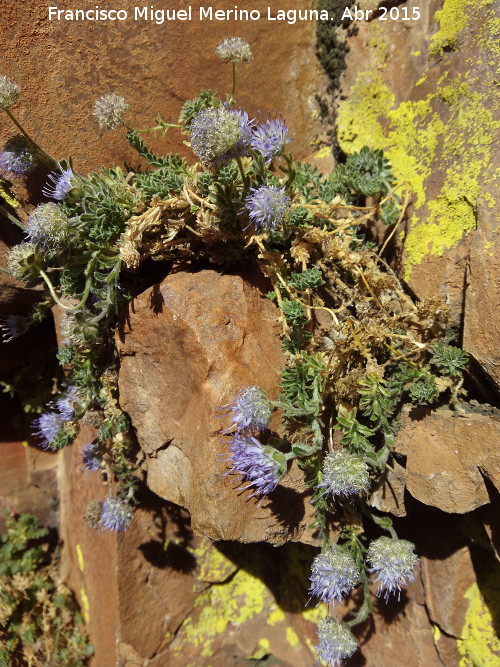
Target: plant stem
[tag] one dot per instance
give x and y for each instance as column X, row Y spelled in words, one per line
column 48, row 160
column 56, row 298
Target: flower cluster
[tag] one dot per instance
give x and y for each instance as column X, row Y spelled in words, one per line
column 334, row 574
column 393, row 561
column 91, row 458
column 24, row 263
column 251, row 409
column 214, row 132
column 344, row 474
column 336, row 641
column 234, row 49
column 17, row 157
column 9, row 92
column 113, row 514
column 267, row 206
column 109, row 111
column 60, row 183
column 270, row 138
column 50, row 426
column 48, row 227
column 12, row 326
column 263, row 467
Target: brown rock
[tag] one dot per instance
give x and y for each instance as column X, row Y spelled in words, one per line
column 208, row 336
column 389, row 494
column 447, row 457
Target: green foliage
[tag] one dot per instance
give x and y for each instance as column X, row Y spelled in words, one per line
column 161, row 183
column 376, row 400
column 309, row 279
column 390, row 210
column 449, row 359
column 355, row 435
column 301, row 385
column 191, row 108
column 295, row 316
column 39, row 620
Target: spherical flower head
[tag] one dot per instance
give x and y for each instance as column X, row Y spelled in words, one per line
column 109, row 111
column 60, row 183
column 12, row 326
column 214, row 132
column 17, row 157
column 9, row 92
column 267, row 206
column 251, row 409
column 270, row 138
column 344, row 474
column 91, row 459
column 336, row 641
column 334, row 574
column 393, row 562
column 24, row 263
column 246, row 127
column 262, row 467
column 47, row 427
column 48, row 227
column 234, row 49
column 116, row 514
column 69, row 405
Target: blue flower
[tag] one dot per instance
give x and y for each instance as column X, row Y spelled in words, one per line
column 334, row 574
column 17, row 157
column 47, row 427
column 270, row 138
column 344, row 474
column 267, row 206
column 262, row 467
column 250, row 409
column 12, row 326
column 393, row 562
column 336, row 641
column 246, row 126
column 91, row 459
column 214, row 132
column 68, row 404
column 62, row 183
column 116, row 514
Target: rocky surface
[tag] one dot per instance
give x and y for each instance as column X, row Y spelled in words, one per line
column 187, row 347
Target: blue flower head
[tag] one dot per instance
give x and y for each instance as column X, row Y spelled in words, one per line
column 336, row 641
column 62, row 182
column 47, row 427
column 267, row 206
column 246, row 127
column 250, row 409
column 393, row 562
column 262, row 467
column 17, row 157
column 334, row 574
column 91, row 458
column 214, row 132
column 69, row 404
column 270, row 138
column 116, row 514
column 344, row 474
column 12, row 326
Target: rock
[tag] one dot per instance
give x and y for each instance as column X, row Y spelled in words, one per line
column 409, row 90
column 448, row 457
column 123, row 57
column 208, row 336
column 389, row 494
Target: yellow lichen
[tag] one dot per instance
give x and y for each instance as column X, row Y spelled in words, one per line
column 276, row 616
column 452, row 19
column 213, row 566
column 479, row 644
column 261, row 650
column 292, row 637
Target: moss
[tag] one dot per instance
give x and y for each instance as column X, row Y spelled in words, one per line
column 479, row 644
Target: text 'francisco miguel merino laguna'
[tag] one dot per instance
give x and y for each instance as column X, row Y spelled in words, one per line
column 202, row 13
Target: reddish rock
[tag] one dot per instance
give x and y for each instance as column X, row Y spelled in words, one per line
column 447, row 457
column 182, row 357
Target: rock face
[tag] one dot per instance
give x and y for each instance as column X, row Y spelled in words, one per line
column 423, row 91
column 448, row 459
column 187, row 347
